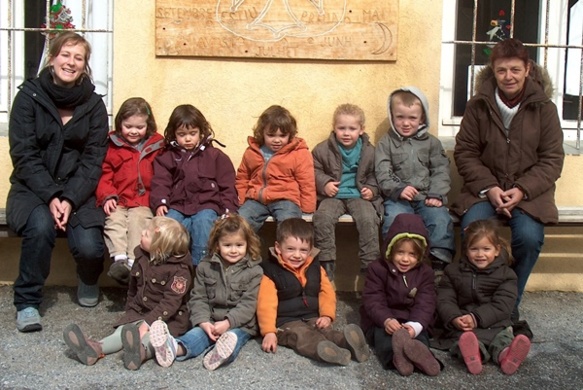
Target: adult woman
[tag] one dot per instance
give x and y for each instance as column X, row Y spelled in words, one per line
column 509, row 152
column 58, row 137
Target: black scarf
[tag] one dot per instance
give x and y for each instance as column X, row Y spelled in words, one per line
column 66, row 97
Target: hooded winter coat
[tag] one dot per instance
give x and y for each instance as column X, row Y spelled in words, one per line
column 489, row 294
column 288, row 175
column 127, row 171
column 54, row 160
column 418, row 161
column 530, row 156
column 388, row 293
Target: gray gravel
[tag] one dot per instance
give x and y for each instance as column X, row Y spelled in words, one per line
column 41, row 360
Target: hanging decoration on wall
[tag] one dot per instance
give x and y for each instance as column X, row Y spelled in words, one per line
column 500, row 31
column 289, row 29
column 59, row 19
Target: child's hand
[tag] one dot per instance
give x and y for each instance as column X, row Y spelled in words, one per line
column 410, row 330
column 269, row 343
column 109, row 206
column 433, row 202
column 209, row 329
column 366, row 193
column 221, row 327
column 323, row 322
column 409, row 193
column 331, row 188
column 392, row 325
column 161, row 211
column 464, row 323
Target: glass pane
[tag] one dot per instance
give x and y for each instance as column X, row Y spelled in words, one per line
column 34, row 41
column 492, row 25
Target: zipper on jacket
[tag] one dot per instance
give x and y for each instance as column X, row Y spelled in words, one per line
column 304, row 298
column 260, row 194
column 405, row 281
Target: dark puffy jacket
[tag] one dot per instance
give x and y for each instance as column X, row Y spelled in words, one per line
column 389, row 293
column 55, row 160
column 489, row 294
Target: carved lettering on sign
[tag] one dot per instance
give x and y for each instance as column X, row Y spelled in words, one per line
column 310, row 29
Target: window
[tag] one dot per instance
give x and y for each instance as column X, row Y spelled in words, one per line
column 553, row 35
column 23, row 44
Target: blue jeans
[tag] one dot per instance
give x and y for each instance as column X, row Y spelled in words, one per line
column 256, row 213
column 436, row 219
column 196, row 342
column 38, row 240
column 199, row 227
column 528, row 236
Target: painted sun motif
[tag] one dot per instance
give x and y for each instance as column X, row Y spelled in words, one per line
column 273, row 20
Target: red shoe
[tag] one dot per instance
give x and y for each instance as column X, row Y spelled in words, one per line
column 470, row 349
column 515, row 354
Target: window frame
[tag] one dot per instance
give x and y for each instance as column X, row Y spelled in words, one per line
column 552, row 49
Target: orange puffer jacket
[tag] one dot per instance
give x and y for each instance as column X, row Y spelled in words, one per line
column 288, row 175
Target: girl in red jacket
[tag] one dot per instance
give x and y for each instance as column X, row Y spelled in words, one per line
column 124, row 188
column 276, row 175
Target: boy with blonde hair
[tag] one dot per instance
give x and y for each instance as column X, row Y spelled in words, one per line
column 413, row 172
column 346, row 184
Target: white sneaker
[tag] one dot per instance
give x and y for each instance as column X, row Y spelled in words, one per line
column 164, row 343
column 28, row 320
column 221, row 352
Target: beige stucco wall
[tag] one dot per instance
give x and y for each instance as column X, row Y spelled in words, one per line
column 232, row 94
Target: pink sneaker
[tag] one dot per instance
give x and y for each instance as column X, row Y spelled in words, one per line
column 515, row 354
column 470, row 349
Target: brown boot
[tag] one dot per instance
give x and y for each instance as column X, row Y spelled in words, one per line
column 422, row 358
column 87, row 351
column 403, row 365
column 134, row 353
column 356, row 343
column 331, row 353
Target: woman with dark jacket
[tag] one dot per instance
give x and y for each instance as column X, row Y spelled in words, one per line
column 509, row 153
column 58, row 138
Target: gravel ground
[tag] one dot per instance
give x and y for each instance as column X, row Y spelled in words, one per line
column 41, row 360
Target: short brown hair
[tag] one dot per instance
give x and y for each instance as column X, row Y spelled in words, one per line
column 348, row 109
column 189, row 116
column 233, row 223
column 169, row 238
column 272, row 119
column 408, row 99
column 297, row 228
column 71, row 38
column 136, row 106
column 509, row 48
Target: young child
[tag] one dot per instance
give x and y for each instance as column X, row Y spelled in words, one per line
column 193, row 182
column 223, row 300
column 297, row 304
column 413, row 172
column 124, row 188
column 346, row 183
column 475, row 301
column 398, row 299
column 160, row 281
column 276, row 175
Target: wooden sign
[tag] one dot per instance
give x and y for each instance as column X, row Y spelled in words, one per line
column 293, row 29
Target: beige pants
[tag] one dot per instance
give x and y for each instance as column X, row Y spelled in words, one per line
column 123, row 229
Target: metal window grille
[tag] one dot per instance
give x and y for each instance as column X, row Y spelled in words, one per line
column 8, row 27
column 545, row 45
